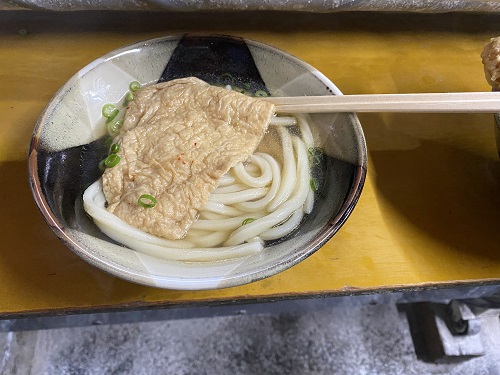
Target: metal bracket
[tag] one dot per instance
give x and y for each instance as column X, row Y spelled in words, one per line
column 443, row 332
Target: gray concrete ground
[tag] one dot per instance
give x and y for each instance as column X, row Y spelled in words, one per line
column 352, row 338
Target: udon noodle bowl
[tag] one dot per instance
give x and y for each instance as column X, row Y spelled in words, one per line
column 261, row 200
column 256, row 220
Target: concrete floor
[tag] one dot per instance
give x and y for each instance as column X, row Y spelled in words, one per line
column 371, row 338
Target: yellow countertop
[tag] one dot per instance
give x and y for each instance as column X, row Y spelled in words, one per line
column 429, row 214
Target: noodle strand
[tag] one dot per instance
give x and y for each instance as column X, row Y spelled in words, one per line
column 256, row 201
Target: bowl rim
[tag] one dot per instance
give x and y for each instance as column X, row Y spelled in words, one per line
column 202, row 283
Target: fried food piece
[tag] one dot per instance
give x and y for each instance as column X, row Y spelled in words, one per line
column 491, row 62
column 177, row 140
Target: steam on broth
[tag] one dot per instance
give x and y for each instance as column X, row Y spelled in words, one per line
column 261, row 193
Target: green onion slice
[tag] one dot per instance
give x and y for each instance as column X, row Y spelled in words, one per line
column 260, row 93
column 114, row 127
column 102, row 165
column 313, row 184
column 315, row 155
column 227, row 77
column 315, row 160
column 108, row 142
column 239, row 89
column 115, row 147
column 112, row 115
column 147, row 201
column 108, row 110
column 315, row 151
column 111, row 160
column 129, row 97
column 247, row 221
column 134, row 86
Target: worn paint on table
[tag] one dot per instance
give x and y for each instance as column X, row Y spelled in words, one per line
column 430, row 210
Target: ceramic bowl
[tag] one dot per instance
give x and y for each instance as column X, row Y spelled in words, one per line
column 67, row 145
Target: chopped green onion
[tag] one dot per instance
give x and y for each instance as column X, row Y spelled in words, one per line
column 147, row 201
column 23, row 32
column 314, row 185
column 314, row 151
column 134, row 86
column 112, row 115
column 260, row 93
column 315, row 160
column 315, row 155
column 111, row 160
column 108, row 110
column 115, row 147
column 227, row 77
column 246, row 85
column 129, row 97
column 114, row 127
column 108, row 142
column 102, row 166
column 247, row 221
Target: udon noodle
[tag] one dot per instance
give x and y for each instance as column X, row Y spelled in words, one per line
column 260, row 200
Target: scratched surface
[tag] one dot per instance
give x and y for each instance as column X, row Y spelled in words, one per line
column 320, row 6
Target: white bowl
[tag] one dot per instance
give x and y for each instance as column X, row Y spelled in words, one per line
column 67, row 146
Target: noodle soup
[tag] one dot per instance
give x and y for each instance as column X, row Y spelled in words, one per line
column 67, row 147
column 263, row 199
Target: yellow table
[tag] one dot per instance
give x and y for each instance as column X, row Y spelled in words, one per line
column 429, row 215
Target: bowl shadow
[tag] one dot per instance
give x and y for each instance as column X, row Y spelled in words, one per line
column 449, row 193
column 35, row 263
